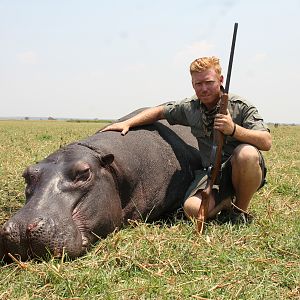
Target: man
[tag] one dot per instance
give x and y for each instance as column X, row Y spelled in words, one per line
column 243, row 170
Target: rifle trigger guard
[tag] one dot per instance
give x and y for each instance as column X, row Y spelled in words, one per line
column 209, row 171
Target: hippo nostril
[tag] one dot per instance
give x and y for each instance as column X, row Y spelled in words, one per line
column 10, row 234
column 9, row 229
column 6, row 230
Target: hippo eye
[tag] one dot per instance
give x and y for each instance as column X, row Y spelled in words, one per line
column 30, row 180
column 82, row 172
column 29, row 177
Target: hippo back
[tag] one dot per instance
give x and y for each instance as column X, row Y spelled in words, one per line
column 156, row 163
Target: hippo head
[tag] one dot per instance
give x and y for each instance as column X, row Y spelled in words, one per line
column 71, row 201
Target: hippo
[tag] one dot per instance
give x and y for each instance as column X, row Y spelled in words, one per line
column 86, row 190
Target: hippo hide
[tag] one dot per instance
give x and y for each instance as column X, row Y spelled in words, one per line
column 92, row 187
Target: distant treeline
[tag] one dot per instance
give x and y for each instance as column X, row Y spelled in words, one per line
column 282, row 124
column 57, row 119
column 89, row 121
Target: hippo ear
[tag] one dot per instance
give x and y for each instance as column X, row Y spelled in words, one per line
column 107, row 160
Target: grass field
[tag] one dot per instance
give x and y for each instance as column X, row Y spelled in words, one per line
column 158, row 260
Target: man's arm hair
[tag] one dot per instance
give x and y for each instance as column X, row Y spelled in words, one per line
column 262, row 140
column 147, row 116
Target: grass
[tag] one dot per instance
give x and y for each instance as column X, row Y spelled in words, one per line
column 158, row 260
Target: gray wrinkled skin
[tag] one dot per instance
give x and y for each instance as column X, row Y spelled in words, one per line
column 88, row 189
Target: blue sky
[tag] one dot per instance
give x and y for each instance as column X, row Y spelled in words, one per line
column 104, row 59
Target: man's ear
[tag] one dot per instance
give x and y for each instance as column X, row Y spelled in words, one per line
column 221, row 79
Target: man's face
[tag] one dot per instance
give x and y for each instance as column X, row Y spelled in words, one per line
column 207, row 87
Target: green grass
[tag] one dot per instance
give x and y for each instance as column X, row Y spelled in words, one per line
column 157, row 260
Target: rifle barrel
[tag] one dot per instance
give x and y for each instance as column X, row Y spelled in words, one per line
column 231, row 58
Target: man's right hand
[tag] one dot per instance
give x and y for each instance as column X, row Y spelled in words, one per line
column 120, row 126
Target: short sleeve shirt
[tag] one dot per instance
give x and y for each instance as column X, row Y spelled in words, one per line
column 191, row 112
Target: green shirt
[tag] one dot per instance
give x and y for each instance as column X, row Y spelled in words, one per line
column 191, row 112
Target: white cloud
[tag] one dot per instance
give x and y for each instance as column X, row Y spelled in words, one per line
column 193, row 51
column 27, row 57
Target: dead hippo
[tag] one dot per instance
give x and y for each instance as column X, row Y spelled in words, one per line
column 89, row 188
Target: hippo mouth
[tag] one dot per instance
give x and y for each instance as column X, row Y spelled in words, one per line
column 42, row 235
column 81, row 224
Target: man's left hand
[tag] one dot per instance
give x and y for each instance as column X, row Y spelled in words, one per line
column 224, row 123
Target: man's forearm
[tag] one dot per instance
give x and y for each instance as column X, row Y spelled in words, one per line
column 260, row 139
column 148, row 116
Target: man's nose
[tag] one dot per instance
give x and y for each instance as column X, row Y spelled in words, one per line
column 204, row 86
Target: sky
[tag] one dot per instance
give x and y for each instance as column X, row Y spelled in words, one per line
column 105, row 58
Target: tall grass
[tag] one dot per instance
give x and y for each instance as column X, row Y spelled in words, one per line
column 162, row 260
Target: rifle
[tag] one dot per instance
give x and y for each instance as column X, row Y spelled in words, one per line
column 216, row 153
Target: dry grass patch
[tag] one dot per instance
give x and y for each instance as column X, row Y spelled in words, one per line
column 162, row 260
